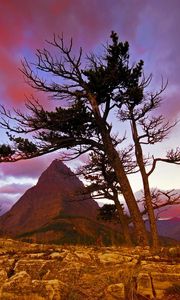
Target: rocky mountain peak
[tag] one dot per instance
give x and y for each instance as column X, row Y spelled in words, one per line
column 56, row 167
column 58, row 191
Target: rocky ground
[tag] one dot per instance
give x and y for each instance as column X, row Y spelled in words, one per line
column 37, row 272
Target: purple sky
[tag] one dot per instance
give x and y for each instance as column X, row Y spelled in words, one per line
column 152, row 29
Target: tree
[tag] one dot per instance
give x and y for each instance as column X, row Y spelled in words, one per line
column 161, row 199
column 146, row 130
column 104, row 184
column 92, row 93
column 84, row 125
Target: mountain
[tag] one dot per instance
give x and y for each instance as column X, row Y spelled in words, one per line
column 55, row 210
column 57, row 190
column 168, row 228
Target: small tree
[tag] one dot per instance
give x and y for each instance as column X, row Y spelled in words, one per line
column 146, row 129
column 104, row 184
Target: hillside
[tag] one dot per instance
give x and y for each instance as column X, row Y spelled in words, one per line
column 169, row 228
column 55, row 211
column 57, row 191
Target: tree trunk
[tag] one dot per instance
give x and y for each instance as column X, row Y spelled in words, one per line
column 118, row 167
column 147, row 192
column 127, row 193
column 123, row 221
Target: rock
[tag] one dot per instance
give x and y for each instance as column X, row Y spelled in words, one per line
column 115, row 291
column 143, row 263
column 31, row 266
column 144, row 285
column 109, row 258
column 157, row 257
column 47, row 289
column 161, row 281
column 56, row 255
column 3, row 277
column 83, row 256
column 174, row 251
column 50, row 272
column 16, row 286
column 20, row 286
column 36, row 255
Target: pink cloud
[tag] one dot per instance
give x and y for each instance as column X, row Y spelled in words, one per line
column 171, row 107
column 161, row 34
column 151, row 27
column 24, row 26
column 14, row 87
column 27, row 168
column 14, row 188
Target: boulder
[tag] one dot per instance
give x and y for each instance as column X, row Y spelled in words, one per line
column 144, row 285
column 115, row 291
column 162, row 281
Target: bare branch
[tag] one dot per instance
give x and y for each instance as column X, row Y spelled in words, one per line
column 172, row 157
column 155, row 129
column 162, row 199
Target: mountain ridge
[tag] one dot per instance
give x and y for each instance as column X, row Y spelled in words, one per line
column 56, row 190
column 55, row 207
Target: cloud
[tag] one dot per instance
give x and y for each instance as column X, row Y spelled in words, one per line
column 10, row 193
column 25, row 26
column 14, row 188
column 159, row 33
column 171, row 107
column 151, row 27
column 27, row 168
column 5, row 204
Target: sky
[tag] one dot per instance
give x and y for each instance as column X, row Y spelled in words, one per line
column 151, row 27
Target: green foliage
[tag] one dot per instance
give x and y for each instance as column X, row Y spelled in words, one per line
column 6, row 151
column 112, row 72
column 26, row 146
column 74, row 121
column 108, row 212
column 23, row 145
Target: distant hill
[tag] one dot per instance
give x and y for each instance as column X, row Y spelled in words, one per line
column 54, row 210
column 168, row 228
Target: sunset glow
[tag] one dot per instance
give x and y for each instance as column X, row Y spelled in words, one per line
column 152, row 30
